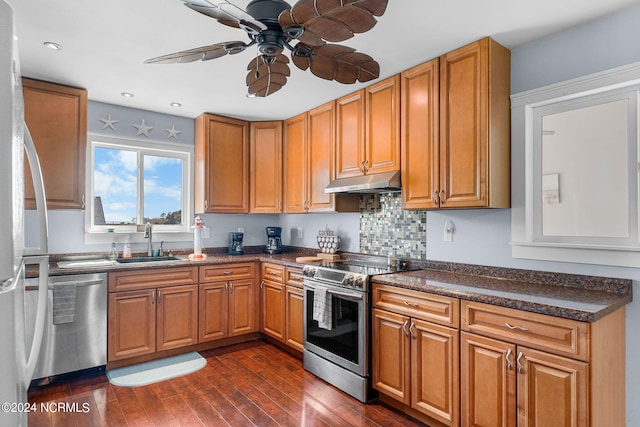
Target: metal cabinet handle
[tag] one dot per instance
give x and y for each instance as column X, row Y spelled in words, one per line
column 520, row 368
column 365, row 166
column 230, row 287
column 509, row 364
column 520, row 328
column 434, row 196
column 410, row 304
column 159, row 297
column 274, row 273
column 404, row 328
column 262, row 284
column 153, row 297
column 442, row 197
column 411, row 330
column 206, row 204
column 82, row 207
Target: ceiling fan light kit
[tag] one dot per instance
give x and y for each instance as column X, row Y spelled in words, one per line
column 273, row 25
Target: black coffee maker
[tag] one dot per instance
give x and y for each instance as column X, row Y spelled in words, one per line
column 235, row 243
column 274, row 242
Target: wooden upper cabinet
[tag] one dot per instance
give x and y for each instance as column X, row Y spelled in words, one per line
column 221, row 165
column 368, row 130
column 419, row 135
column 295, row 163
column 308, row 165
column 321, row 127
column 475, row 126
column 382, row 136
column 57, row 119
column 265, row 167
column 350, row 155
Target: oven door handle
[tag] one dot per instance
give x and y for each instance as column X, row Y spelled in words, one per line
column 352, row 297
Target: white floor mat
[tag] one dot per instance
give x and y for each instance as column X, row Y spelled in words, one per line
column 156, row 370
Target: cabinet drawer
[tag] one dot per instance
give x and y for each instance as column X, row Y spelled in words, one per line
column 564, row 337
column 152, row 278
column 211, row 273
column 273, row 272
column 293, row 277
column 433, row 308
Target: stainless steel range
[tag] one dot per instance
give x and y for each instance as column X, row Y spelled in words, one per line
column 337, row 330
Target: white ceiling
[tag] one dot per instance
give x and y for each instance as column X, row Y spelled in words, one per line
column 105, row 43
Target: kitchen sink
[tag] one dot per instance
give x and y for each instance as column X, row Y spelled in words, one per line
column 149, row 259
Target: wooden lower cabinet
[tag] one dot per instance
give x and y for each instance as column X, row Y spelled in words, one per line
column 294, row 316
column 282, row 308
column 416, row 363
column 177, row 317
column 132, row 324
column 228, row 303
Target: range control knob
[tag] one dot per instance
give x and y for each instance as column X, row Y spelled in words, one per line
column 358, row 281
column 308, row 271
column 350, row 280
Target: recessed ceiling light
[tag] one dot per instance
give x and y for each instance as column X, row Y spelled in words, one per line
column 127, row 94
column 53, row 45
column 175, row 104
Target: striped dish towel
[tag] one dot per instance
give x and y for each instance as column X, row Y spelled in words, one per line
column 322, row 307
column 64, row 303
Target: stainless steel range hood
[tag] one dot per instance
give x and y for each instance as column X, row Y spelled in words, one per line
column 386, row 182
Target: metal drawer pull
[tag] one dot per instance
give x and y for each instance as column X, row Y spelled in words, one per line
column 226, row 273
column 411, row 304
column 509, row 364
column 520, row 328
column 274, row 273
column 520, row 369
column 411, row 330
column 404, row 328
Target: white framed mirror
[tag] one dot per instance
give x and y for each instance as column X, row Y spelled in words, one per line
column 576, row 199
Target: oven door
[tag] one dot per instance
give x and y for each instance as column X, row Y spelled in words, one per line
column 345, row 343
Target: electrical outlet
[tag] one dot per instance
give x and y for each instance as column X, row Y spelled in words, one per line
column 448, row 231
column 299, row 232
column 240, row 229
column 205, row 233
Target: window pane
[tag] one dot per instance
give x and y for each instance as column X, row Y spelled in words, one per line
column 114, row 186
column 162, row 190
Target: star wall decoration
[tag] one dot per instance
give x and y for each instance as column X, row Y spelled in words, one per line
column 173, row 132
column 109, row 122
column 143, row 129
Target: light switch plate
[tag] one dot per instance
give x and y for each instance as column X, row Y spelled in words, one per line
column 448, row 231
column 299, row 232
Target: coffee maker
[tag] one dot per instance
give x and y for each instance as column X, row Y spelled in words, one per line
column 274, row 242
column 235, row 243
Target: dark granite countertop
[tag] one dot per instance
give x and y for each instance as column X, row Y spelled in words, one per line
column 584, row 298
column 578, row 297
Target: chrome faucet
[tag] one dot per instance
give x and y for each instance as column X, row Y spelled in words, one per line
column 147, row 235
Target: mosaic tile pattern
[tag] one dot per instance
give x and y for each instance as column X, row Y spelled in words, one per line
column 385, row 228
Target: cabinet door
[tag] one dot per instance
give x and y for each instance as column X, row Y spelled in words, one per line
column 177, row 317
column 321, row 143
column 294, row 317
column 383, row 126
column 463, row 126
column 242, row 307
column 214, row 311
column 391, row 355
column 552, row 390
column 266, row 167
column 273, row 306
column 435, row 366
column 131, row 324
column 350, row 131
column 221, row 165
column 419, row 136
column 295, row 164
column 57, row 119
column 487, row 381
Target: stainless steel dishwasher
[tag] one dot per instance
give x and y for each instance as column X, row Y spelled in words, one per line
column 75, row 334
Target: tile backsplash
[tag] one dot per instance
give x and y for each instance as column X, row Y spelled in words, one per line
column 385, row 228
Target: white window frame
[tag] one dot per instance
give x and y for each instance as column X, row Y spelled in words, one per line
column 134, row 233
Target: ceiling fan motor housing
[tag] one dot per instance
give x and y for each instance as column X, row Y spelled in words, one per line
column 267, row 11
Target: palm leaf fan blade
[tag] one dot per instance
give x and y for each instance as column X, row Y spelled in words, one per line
column 267, row 75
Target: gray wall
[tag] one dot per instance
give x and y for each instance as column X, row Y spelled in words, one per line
column 483, row 237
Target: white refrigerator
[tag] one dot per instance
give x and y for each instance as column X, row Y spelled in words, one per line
column 18, row 357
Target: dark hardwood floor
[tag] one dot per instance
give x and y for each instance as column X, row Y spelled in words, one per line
column 250, row 384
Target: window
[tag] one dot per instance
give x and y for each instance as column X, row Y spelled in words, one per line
column 135, row 182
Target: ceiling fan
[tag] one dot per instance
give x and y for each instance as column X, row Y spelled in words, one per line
column 273, row 25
